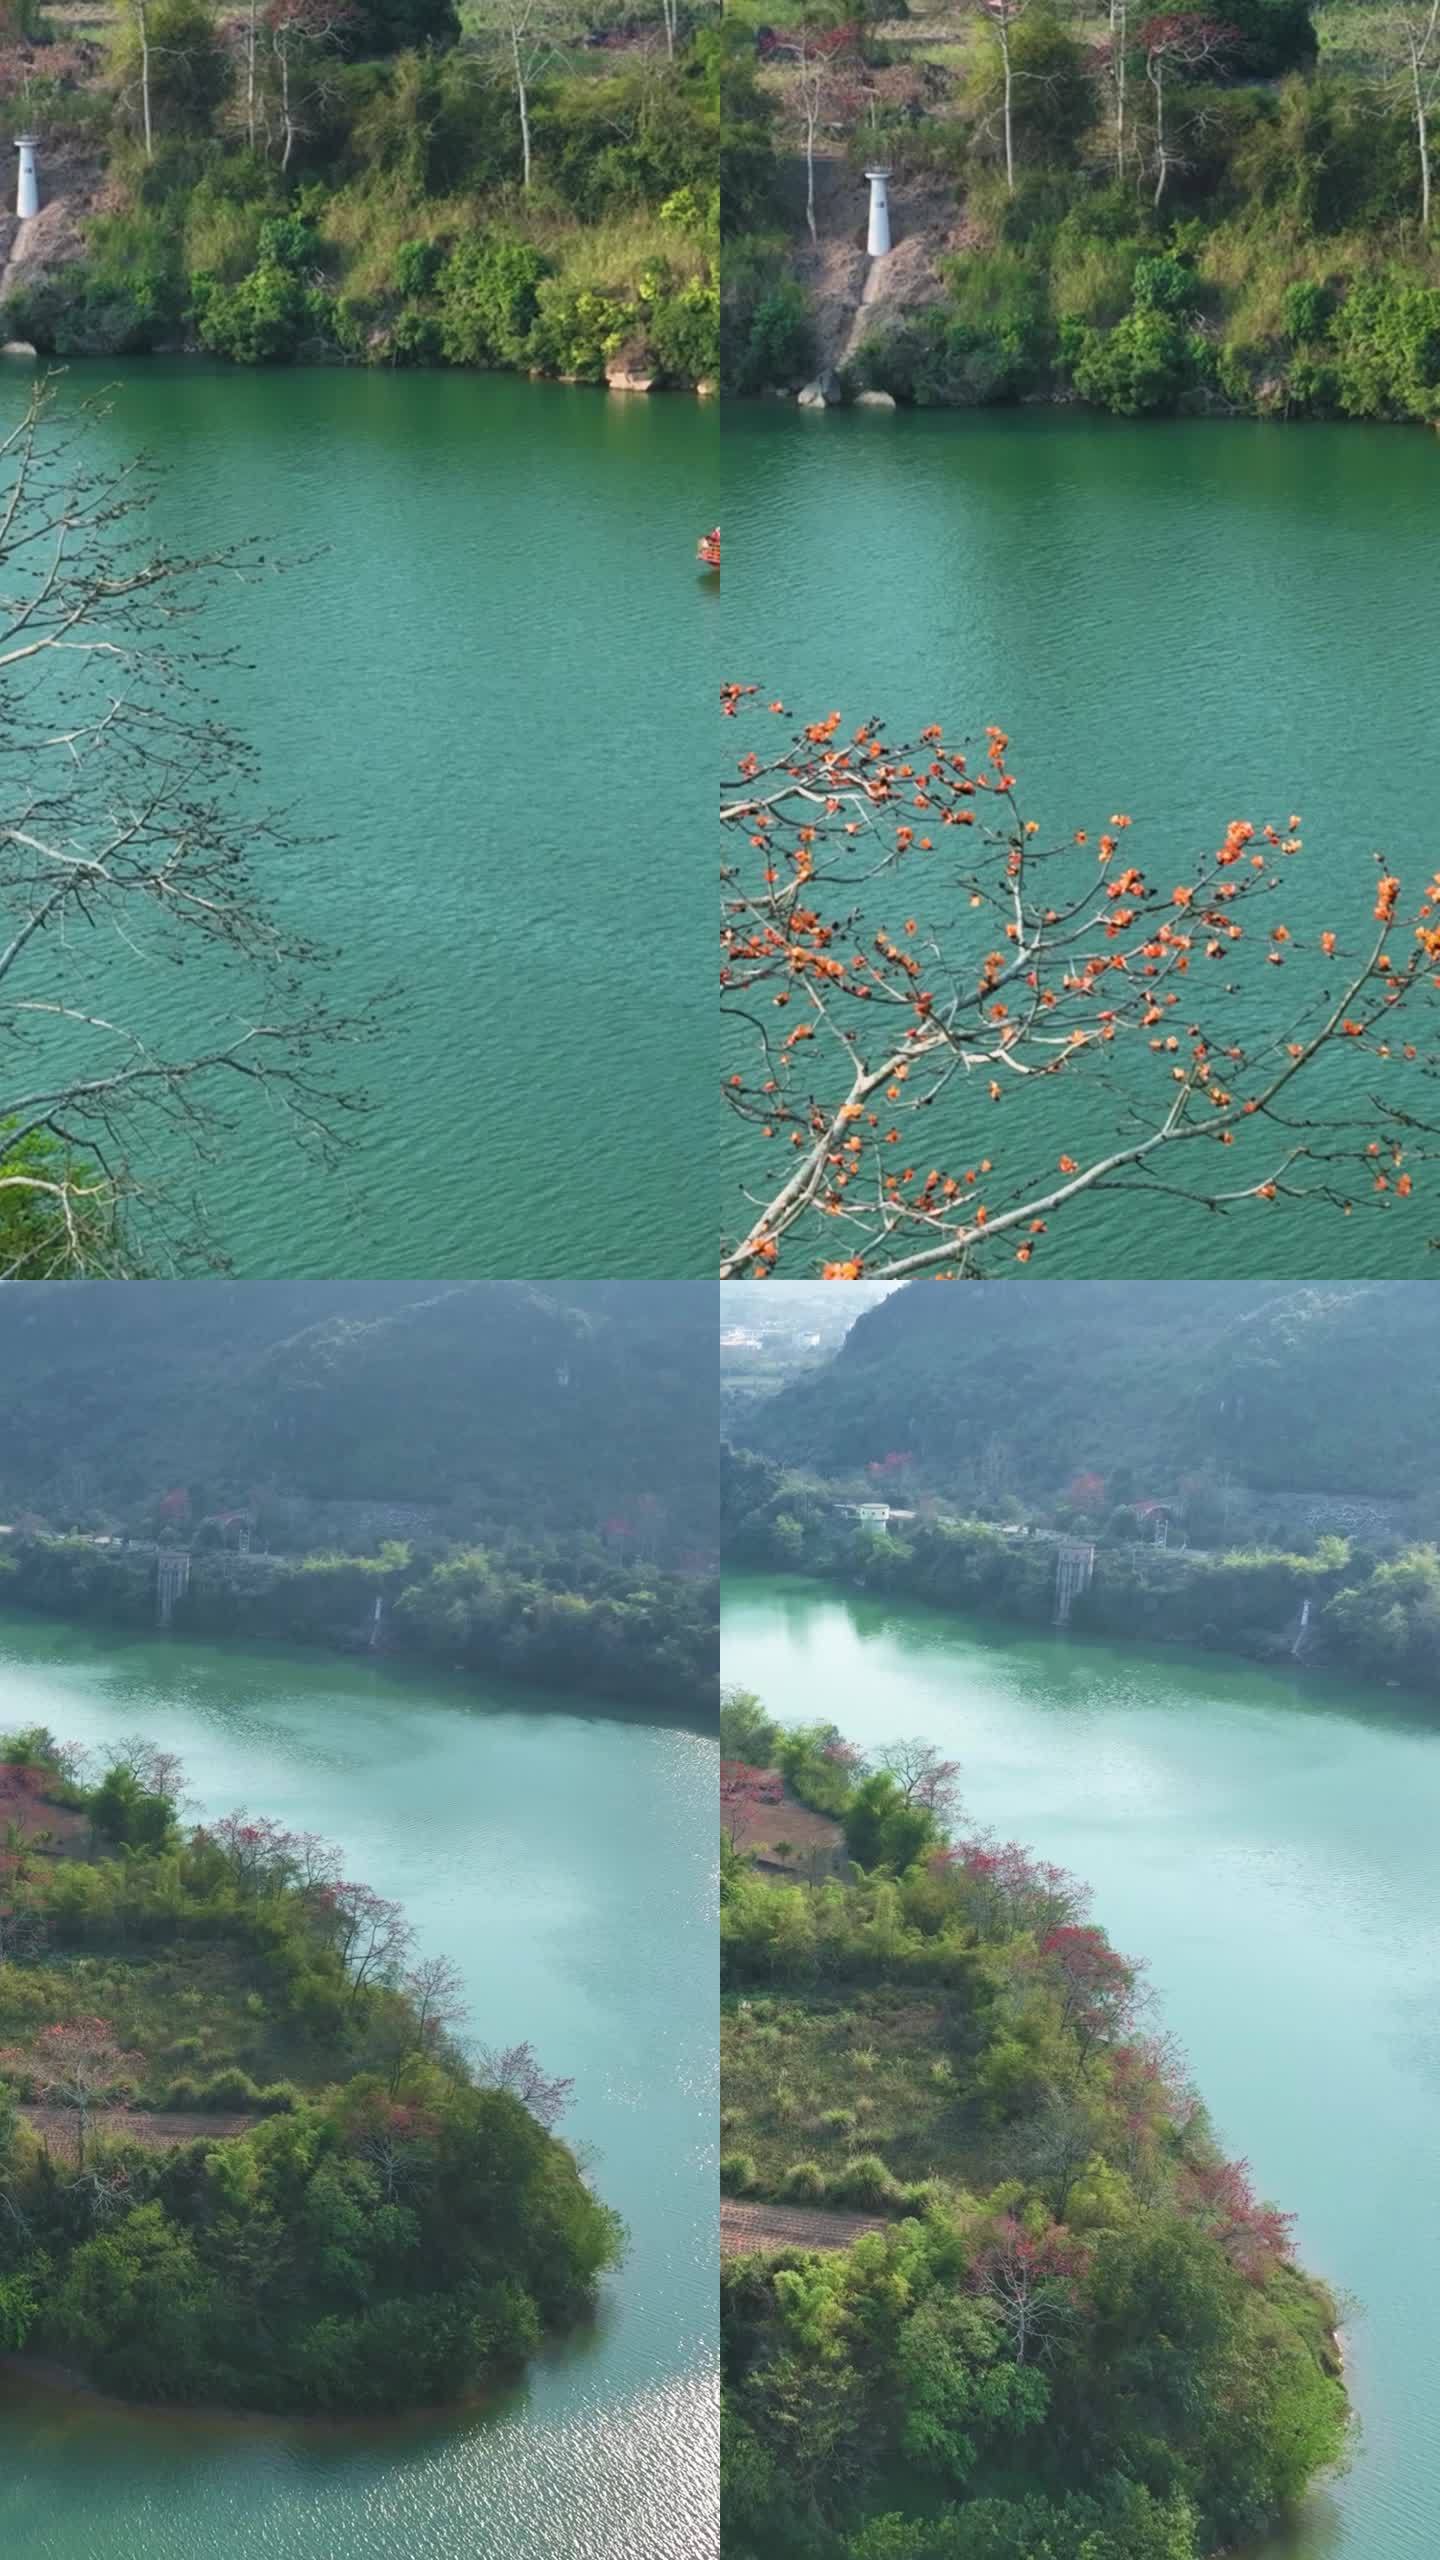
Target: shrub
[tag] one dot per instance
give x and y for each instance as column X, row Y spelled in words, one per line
column 264, row 319
column 685, row 331
column 489, row 299
column 1388, row 340
column 1140, row 366
column 866, row 2181
column 577, row 330
column 1164, row 284
column 806, row 2181
column 738, row 2173
column 782, row 339
column 228, row 2089
column 1307, row 309
column 417, row 266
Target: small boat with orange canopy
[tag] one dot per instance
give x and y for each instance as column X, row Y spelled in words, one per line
column 707, row 550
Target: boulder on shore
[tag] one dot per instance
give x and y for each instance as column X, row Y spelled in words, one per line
column 632, row 368
column 825, row 392
column 874, row 400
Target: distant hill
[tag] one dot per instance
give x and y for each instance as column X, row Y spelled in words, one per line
column 1285, row 1388
column 514, row 1407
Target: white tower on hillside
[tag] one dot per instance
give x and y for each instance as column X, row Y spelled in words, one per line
column 878, row 243
column 27, row 200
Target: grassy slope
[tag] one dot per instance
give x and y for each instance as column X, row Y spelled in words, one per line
column 828, row 2078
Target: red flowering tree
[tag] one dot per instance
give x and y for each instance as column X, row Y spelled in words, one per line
column 1009, row 1889
column 1095, row 1984
column 394, row 2139
column 1032, row 2281
column 1254, row 2236
column 1015, row 973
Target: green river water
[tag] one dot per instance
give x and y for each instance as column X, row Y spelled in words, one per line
column 1187, row 622
column 1268, row 1845
column 490, row 690
column 564, row 1858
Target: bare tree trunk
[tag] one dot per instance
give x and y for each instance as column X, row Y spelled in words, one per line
column 1155, row 73
column 143, row 25
column 1003, row 24
column 1119, row 37
column 1422, row 129
column 285, row 115
column 251, row 43
column 522, row 99
column 812, row 118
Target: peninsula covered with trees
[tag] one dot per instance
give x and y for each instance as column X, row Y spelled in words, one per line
column 246, row 2155
column 500, row 1479
column 519, row 184
column 993, row 2290
column 1218, row 209
column 1244, row 1465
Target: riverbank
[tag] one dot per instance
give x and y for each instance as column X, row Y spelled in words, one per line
column 634, row 1635
column 1226, row 220
column 373, row 192
column 1327, row 1615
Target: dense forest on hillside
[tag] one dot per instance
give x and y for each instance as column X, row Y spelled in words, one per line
column 1224, row 209
column 1290, row 1389
column 498, row 1479
column 558, row 1616
column 1075, row 2332
column 243, row 2156
column 497, row 1404
column 1253, row 1465
column 375, row 181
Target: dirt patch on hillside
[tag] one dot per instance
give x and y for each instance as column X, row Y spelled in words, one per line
column 815, row 1842
column 748, row 2230
column 22, row 1804
column 851, row 293
column 58, row 2126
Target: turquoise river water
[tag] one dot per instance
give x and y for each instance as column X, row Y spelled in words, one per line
column 481, row 691
column 1185, row 622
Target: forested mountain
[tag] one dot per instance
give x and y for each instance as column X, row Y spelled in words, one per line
column 510, row 1480
column 1283, row 1388
column 506, row 1408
